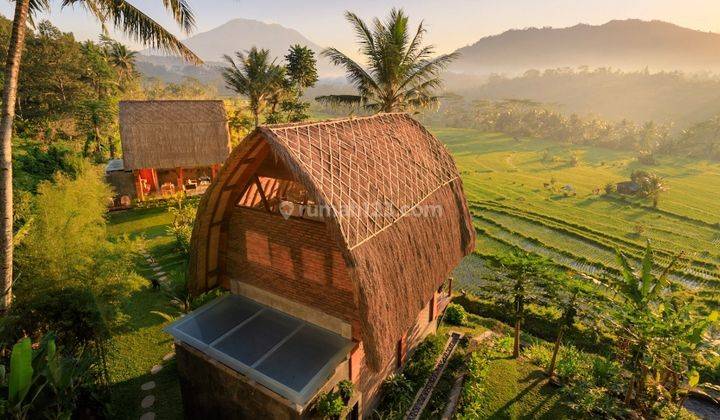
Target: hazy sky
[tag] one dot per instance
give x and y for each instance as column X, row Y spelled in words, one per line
column 451, row 23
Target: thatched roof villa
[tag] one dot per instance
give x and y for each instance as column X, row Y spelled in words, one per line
column 170, row 146
column 337, row 240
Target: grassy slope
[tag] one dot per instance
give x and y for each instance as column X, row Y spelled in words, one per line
column 140, row 344
column 516, row 389
column 507, row 173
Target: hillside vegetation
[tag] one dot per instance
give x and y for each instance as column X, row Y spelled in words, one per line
column 559, row 209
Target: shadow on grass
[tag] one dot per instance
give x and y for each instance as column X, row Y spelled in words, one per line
column 127, row 395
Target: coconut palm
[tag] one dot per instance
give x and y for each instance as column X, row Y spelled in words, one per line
column 120, row 57
column 402, row 74
column 124, row 17
column 256, row 77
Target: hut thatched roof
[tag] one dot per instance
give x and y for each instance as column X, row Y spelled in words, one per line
column 169, row 134
column 377, row 175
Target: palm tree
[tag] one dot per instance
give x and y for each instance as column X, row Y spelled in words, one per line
column 402, row 73
column 124, row 17
column 256, row 77
column 120, row 57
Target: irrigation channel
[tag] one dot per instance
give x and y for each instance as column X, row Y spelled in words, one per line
column 423, row 396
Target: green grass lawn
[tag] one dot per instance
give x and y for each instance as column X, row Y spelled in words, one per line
column 516, row 389
column 504, row 180
column 139, row 343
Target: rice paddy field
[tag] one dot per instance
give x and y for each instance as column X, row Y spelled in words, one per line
column 533, row 195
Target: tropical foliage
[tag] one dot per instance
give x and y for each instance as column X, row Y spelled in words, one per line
column 402, row 73
column 272, row 89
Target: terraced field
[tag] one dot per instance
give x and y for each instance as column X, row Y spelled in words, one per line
column 509, row 184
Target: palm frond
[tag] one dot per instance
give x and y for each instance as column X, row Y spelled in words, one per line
column 138, row 26
column 335, row 100
column 182, row 13
column 363, row 33
column 356, row 74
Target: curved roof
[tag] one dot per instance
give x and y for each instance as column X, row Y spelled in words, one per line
column 396, row 204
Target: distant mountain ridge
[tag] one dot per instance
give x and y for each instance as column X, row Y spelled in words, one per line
column 234, row 35
column 624, row 44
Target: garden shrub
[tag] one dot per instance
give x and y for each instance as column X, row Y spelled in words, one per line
column 330, row 405
column 397, row 394
column 472, row 396
column 183, row 217
column 538, row 354
column 398, row 391
column 345, row 389
column 422, row 362
column 539, row 322
column 573, row 365
column 455, row 314
column 67, row 246
column 72, row 314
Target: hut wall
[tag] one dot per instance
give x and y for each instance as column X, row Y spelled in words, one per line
column 212, row 390
column 369, row 380
column 123, row 183
column 293, row 258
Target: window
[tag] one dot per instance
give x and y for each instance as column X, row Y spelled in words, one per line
column 401, row 350
column 280, row 196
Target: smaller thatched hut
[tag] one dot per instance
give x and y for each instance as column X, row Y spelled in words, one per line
column 336, row 240
column 173, row 146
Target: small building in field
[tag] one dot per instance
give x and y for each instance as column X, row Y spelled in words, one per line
column 627, row 187
column 170, row 146
column 336, row 240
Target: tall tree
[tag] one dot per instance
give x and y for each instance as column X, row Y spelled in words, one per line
column 519, row 280
column 254, row 76
column 120, row 57
column 301, row 73
column 301, row 67
column 124, row 17
column 402, row 74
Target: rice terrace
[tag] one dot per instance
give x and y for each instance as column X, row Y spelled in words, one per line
column 507, row 184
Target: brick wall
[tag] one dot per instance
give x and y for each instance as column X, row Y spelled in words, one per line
column 294, row 258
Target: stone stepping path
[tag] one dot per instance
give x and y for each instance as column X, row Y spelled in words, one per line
column 149, row 400
column 160, row 275
column 423, row 396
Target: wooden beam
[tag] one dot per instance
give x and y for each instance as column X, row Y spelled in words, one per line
column 138, row 186
column 156, row 182
column 180, row 180
column 259, row 187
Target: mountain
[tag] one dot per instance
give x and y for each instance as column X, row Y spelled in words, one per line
column 623, row 44
column 235, row 35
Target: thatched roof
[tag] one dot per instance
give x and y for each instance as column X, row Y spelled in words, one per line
column 169, row 134
column 396, row 259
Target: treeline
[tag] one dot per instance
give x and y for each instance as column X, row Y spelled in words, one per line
column 665, row 97
column 524, row 118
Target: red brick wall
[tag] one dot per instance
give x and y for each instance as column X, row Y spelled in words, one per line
column 295, row 258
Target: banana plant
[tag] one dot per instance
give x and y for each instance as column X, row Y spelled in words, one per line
column 42, row 382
